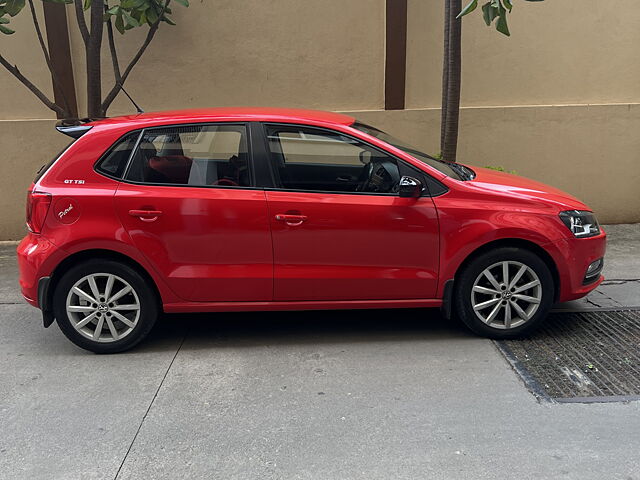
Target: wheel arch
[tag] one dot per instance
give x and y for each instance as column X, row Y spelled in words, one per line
column 100, row 254
column 517, row 243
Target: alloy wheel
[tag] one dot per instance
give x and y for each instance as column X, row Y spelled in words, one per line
column 506, row 294
column 103, row 307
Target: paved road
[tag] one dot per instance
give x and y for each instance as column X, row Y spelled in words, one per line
column 324, row 395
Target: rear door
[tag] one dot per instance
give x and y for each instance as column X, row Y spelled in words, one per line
column 189, row 204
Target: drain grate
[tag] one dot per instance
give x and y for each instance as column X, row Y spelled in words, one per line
column 580, row 357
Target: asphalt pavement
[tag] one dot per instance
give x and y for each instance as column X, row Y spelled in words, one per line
column 314, row 395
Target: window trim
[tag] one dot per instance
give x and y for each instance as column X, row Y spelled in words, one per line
column 123, row 179
column 273, row 187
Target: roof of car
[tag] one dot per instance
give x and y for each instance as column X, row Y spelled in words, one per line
column 233, row 113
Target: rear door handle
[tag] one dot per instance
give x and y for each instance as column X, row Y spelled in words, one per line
column 146, row 215
column 291, row 219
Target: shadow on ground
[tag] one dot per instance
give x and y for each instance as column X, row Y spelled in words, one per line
column 231, row 330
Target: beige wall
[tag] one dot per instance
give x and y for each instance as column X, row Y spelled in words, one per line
column 559, row 52
column 26, row 146
column 329, row 54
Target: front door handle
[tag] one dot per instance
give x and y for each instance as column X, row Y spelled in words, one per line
column 146, row 215
column 291, row 219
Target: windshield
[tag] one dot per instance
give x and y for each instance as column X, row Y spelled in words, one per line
column 450, row 169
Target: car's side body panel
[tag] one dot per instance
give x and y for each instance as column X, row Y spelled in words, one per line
column 353, row 247
column 210, row 244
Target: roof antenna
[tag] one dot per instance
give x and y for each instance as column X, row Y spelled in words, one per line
column 138, row 109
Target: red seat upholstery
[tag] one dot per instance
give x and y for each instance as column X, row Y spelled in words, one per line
column 174, row 167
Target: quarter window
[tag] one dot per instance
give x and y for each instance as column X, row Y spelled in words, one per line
column 313, row 159
column 199, row 155
column 114, row 163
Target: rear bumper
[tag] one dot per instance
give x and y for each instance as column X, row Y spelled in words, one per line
column 573, row 256
column 36, row 260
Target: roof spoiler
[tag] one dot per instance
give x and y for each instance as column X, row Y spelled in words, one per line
column 74, row 128
column 74, row 131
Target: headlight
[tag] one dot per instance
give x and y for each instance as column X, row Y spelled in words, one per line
column 581, row 223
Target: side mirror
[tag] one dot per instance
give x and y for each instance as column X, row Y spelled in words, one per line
column 410, row 187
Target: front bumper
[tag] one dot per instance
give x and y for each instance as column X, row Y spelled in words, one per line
column 572, row 257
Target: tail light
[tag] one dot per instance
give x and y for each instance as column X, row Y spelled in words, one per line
column 38, row 204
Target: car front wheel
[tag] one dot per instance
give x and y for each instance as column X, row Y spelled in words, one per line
column 504, row 293
column 104, row 306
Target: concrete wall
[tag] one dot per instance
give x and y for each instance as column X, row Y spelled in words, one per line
column 557, row 101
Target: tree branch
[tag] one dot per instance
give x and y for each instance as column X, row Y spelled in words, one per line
column 47, row 58
column 114, row 52
column 82, row 23
column 116, row 88
column 35, row 90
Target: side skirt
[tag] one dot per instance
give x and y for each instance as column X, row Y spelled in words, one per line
column 192, row 307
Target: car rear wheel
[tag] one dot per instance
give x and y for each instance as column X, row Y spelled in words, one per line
column 504, row 293
column 104, row 306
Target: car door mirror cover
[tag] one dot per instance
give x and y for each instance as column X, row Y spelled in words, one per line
column 410, row 187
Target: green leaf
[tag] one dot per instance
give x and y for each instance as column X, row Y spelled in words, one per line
column 113, row 10
column 4, row 20
column 168, row 20
column 501, row 24
column 119, row 24
column 87, row 4
column 13, row 7
column 185, row 3
column 466, row 10
column 508, row 4
column 152, row 16
column 6, row 30
column 489, row 12
column 129, row 19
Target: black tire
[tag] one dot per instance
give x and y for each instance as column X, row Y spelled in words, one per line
column 462, row 297
column 146, row 296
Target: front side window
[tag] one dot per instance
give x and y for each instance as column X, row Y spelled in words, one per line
column 453, row 170
column 195, row 155
column 305, row 158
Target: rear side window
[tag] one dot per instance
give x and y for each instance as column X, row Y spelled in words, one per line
column 115, row 161
column 194, row 155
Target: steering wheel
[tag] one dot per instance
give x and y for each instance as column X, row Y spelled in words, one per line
column 376, row 178
column 225, row 182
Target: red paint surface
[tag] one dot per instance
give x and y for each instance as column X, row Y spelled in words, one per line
column 222, row 249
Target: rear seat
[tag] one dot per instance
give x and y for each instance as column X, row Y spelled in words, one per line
column 176, row 168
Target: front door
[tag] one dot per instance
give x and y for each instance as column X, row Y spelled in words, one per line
column 340, row 231
column 188, row 205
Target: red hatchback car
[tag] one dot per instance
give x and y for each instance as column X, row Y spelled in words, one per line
column 278, row 209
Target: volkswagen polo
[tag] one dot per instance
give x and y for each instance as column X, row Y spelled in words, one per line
column 254, row 209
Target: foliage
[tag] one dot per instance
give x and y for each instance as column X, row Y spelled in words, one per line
column 500, row 169
column 91, row 16
column 127, row 14
column 492, row 10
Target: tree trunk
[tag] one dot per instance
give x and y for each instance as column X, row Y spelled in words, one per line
column 451, row 80
column 93, row 50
